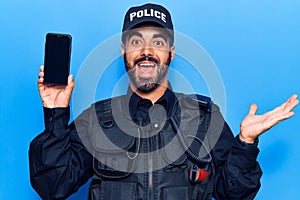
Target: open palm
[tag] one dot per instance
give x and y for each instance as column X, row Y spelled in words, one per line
column 253, row 125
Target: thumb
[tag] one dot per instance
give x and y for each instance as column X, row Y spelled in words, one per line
column 253, row 109
column 70, row 81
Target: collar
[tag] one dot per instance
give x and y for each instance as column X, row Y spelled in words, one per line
column 137, row 103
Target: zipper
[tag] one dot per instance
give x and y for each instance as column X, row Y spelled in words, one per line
column 150, row 168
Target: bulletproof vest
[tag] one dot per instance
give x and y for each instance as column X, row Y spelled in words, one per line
column 165, row 160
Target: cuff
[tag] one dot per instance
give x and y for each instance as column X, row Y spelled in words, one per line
column 56, row 118
column 246, row 145
column 244, row 155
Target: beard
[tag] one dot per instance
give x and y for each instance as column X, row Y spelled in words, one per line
column 146, row 85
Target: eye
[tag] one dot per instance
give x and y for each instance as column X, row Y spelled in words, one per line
column 158, row 43
column 136, row 42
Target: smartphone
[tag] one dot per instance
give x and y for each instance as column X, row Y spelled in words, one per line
column 57, row 58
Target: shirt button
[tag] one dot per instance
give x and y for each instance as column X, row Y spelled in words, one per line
column 155, row 125
column 50, row 119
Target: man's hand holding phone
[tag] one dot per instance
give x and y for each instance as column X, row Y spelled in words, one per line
column 54, row 96
column 55, row 84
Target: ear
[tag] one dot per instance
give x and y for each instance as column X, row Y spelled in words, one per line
column 172, row 49
column 122, row 50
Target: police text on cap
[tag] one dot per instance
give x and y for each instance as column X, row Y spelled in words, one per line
column 147, row 13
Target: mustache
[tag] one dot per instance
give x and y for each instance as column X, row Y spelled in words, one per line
column 146, row 58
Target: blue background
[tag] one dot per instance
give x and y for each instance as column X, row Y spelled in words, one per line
column 255, row 45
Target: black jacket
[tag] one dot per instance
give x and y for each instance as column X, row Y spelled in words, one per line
column 64, row 157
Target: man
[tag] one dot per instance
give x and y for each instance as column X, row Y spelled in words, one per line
column 150, row 143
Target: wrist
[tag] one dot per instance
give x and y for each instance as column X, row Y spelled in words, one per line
column 247, row 139
column 55, row 105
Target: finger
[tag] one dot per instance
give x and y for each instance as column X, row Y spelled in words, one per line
column 288, row 115
column 41, row 80
column 280, row 118
column 287, row 105
column 293, row 98
column 291, row 103
column 70, row 81
column 41, row 68
column 41, row 86
column 253, row 109
column 41, row 75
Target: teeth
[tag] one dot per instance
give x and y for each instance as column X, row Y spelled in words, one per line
column 147, row 65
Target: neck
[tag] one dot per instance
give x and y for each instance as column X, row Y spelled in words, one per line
column 154, row 95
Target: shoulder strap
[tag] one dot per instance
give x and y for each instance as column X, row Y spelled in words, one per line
column 104, row 113
column 194, row 102
column 204, row 102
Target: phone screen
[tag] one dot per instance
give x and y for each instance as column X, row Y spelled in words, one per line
column 57, row 58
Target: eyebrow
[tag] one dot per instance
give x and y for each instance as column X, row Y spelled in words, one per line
column 160, row 36
column 138, row 34
column 135, row 33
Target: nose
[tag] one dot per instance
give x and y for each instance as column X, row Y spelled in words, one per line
column 147, row 51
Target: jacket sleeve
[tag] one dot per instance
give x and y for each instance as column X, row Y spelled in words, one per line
column 59, row 163
column 237, row 171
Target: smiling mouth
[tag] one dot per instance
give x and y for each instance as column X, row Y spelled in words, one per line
column 146, row 64
column 146, row 67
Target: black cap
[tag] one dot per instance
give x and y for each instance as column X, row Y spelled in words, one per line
column 148, row 13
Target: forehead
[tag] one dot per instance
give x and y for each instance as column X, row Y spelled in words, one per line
column 148, row 30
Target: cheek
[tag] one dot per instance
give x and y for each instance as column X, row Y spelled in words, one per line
column 162, row 70
column 164, row 56
column 130, row 58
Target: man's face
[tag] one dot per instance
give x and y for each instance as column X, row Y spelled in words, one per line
column 147, row 54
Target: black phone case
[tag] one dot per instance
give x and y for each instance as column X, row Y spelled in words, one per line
column 57, row 58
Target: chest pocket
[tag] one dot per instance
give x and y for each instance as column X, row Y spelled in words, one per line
column 109, row 190
column 112, row 165
column 111, row 152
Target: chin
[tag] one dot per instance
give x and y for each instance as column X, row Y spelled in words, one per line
column 147, row 88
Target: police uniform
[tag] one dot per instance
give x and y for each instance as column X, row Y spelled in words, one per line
column 115, row 140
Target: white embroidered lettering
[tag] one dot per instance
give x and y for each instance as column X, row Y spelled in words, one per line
column 139, row 14
column 146, row 13
column 157, row 14
column 151, row 11
column 132, row 15
column 163, row 17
